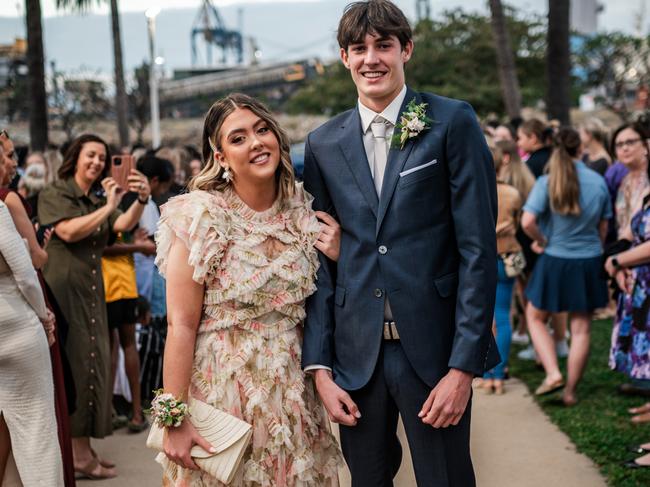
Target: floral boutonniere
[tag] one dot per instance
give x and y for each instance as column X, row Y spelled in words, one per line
column 411, row 123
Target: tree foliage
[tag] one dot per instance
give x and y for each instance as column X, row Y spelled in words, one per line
column 332, row 93
column 78, row 100
column 138, row 97
column 121, row 104
column 614, row 65
column 454, row 56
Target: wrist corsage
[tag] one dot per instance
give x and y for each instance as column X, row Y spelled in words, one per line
column 166, row 410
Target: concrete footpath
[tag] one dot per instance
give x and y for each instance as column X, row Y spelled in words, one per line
column 513, row 445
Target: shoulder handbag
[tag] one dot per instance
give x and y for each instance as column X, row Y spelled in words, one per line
column 226, row 433
column 514, row 263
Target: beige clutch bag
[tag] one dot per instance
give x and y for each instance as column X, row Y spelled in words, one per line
column 226, row 433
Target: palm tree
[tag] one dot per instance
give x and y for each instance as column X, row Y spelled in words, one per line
column 558, row 61
column 36, row 79
column 121, row 107
column 506, row 61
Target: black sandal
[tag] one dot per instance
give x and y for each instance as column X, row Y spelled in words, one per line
column 633, row 465
column 138, row 427
column 638, row 449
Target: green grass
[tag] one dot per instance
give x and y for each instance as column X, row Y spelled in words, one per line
column 599, row 425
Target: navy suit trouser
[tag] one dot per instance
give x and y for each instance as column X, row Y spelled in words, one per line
column 441, row 457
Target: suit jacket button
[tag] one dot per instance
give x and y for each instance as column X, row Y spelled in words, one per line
column 378, row 293
column 383, row 249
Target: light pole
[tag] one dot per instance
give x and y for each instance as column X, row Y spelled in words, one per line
column 151, row 14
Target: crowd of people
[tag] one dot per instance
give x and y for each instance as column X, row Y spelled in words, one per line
column 91, row 243
column 573, row 207
column 572, row 212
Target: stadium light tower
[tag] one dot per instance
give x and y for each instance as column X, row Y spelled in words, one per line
column 151, row 14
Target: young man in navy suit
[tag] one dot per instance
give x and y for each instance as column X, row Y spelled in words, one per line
column 402, row 323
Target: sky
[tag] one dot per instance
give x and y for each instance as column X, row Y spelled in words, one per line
column 308, row 28
column 619, row 14
column 15, row 7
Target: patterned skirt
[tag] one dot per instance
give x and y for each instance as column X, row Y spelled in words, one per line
column 258, row 378
column 630, row 352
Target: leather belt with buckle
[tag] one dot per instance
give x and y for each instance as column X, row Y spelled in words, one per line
column 390, row 331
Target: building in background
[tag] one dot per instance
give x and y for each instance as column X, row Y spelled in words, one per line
column 584, row 16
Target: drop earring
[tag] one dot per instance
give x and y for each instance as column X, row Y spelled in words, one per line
column 227, row 175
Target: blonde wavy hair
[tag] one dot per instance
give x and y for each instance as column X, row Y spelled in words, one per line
column 210, row 177
column 597, row 129
column 518, row 174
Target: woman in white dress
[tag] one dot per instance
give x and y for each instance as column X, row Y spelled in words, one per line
column 27, row 418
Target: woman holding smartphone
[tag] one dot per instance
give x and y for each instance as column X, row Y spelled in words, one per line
column 83, row 209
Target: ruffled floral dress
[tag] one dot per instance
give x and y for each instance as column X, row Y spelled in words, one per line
column 630, row 352
column 257, row 268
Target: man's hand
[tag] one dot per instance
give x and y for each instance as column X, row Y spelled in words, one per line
column 340, row 406
column 446, row 404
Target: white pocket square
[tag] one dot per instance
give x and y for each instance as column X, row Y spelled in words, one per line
column 417, row 168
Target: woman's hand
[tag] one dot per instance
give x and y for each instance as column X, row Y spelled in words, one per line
column 138, row 183
column 141, row 238
column 329, row 239
column 178, row 443
column 625, row 280
column 113, row 192
column 537, row 247
column 49, row 325
column 47, row 236
column 609, row 266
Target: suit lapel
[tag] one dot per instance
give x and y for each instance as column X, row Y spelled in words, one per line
column 396, row 160
column 351, row 145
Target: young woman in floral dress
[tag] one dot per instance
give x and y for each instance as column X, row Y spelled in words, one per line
column 239, row 252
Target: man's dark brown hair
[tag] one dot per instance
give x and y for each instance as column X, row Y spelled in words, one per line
column 375, row 17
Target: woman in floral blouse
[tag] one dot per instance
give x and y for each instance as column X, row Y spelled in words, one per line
column 630, row 352
column 239, row 252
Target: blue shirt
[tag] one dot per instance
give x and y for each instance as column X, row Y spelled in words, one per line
column 569, row 236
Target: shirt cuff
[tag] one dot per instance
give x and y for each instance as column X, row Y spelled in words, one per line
column 311, row 368
column 531, row 209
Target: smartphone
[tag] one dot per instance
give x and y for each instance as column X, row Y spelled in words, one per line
column 121, row 169
column 40, row 234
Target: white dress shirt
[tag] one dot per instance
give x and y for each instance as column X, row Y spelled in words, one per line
column 390, row 113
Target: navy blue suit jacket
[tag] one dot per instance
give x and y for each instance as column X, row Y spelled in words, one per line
column 437, row 222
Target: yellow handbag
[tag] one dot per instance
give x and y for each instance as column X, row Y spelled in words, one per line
column 226, row 433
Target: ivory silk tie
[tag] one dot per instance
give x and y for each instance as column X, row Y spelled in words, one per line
column 379, row 127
